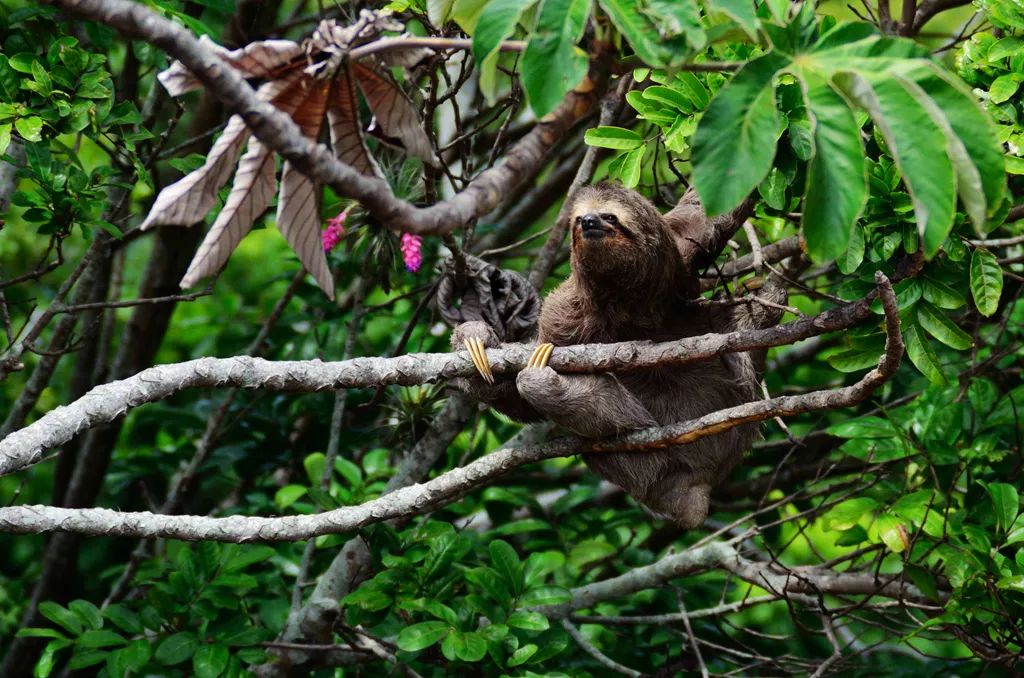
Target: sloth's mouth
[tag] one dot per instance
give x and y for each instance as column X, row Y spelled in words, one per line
column 594, row 231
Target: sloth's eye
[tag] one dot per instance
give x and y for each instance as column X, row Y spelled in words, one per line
column 611, row 219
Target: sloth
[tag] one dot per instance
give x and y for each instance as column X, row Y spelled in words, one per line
column 634, row 276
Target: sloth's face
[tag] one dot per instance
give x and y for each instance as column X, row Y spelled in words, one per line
column 615, row 232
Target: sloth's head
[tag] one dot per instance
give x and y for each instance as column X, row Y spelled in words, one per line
column 618, row 237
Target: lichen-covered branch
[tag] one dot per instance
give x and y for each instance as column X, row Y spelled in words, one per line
column 106, row 403
column 450, row 486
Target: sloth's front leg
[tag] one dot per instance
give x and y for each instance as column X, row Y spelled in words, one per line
column 590, row 405
column 498, row 392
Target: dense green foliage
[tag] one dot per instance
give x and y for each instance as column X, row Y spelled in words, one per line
column 877, row 152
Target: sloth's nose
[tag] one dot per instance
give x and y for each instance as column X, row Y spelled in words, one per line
column 590, row 221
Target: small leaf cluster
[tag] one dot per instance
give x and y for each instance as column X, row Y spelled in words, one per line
column 194, row 620
column 431, row 595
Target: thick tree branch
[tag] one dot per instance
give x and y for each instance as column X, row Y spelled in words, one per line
column 450, row 486
column 278, row 132
column 110, row 401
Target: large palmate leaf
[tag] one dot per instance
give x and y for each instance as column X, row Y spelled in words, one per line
column 734, row 145
column 310, row 82
column 943, row 142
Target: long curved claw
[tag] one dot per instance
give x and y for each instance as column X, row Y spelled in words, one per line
column 540, row 356
column 476, row 353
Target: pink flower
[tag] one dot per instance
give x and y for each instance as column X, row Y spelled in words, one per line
column 411, row 254
column 334, row 232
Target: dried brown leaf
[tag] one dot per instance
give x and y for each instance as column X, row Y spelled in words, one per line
column 394, row 111
column 261, row 59
column 298, row 213
column 346, row 129
column 188, row 200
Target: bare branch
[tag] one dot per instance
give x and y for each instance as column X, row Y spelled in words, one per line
column 600, row 657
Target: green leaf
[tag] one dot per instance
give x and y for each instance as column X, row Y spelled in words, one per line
column 734, row 144
column 5, row 137
column 506, row 562
column 473, row 647
column 30, row 128
column 588, row 551
column 175, row 649
column 1006, row 503
column 522, row 655
column 539, row 565
column 314, row 465
column 740, row 11
column 48, row 658
column 438, row 11
column 893, row 533
column 210, row 661
column 420, row 636
column 864, row 427
column 496, row 23
column 552, row 63
column 1004, row 87
column 124, row 618
column 848, row 513
column 616, row 138
column 629, row 168
column 986, row 281
column 913, row 139
column 851, row 537
column 938, row 324
column 941, row 294
column 643, row 33
column 94, row 638
column 288, row 495
column 61, row 616
column 921, row 354
column 837, row 186
column 528, row 621
column 545, row 595
column 971, row 132
column 33, row 632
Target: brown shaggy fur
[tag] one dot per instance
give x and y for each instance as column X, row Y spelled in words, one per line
column 630, row 281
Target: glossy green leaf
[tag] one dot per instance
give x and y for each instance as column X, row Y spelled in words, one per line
column 893, row 533
column 522, row 655
column 210, row 661
column 506, row 562
column 1006, row 502
column 528, row 621
column 175, row 649
column 848, row 513
column 938, row 324
column 734, row 145
column 420, row 636
column 912, row 138
column 922, row 355
column 941, row 294
column 497, row 22
column 30, row 128
column 837, row 186
column 864, row 427
column 545, row 595
column 616, row 138
column 986, row 281
column 553, row 64
column 629, row 169
column 976, row 132
column 61, row 616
